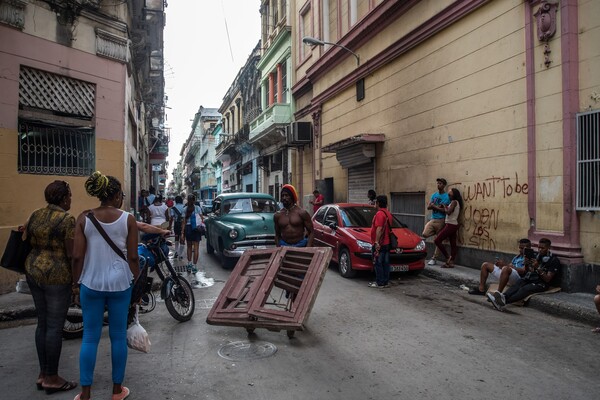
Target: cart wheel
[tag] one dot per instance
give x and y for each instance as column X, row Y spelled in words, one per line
column 250, row 331
column 290, row 334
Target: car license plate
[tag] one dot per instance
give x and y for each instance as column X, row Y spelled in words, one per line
column 399, row 268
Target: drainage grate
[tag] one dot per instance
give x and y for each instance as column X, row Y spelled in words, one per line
column 238, row 351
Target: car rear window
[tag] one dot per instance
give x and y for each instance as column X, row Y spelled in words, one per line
column 249, row 205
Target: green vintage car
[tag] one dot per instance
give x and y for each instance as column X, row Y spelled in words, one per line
column 240, row 222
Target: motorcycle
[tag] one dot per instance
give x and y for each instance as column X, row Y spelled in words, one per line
column 175, row 290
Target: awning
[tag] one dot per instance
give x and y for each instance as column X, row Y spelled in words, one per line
column 354, row 140
column 356, row 150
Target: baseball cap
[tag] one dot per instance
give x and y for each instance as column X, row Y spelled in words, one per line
column 441, row 180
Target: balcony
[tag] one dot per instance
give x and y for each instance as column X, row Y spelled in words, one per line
column 270, row 125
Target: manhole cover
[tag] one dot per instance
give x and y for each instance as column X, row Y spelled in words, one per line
column 238, row 351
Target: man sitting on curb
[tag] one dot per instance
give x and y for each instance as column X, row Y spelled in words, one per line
column 542, row 273
column 505, row 274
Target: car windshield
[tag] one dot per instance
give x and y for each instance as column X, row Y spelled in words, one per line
column 362, row 217
column 249, row 205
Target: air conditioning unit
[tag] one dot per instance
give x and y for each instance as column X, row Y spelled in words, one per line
column 300, row 133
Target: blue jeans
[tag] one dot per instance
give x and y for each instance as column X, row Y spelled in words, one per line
column 382, row 265
column 51, row 305
column 92, row 306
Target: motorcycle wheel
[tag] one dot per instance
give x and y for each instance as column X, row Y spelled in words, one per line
column 73, row 327
column 180, row 300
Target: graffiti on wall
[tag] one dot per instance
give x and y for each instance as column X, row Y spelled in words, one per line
column 480, row 222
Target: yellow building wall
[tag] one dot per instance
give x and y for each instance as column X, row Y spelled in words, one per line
column 589, row 95
column 24, row 193
column 455, row 107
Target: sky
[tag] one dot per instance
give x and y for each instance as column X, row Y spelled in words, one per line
column 200, row 64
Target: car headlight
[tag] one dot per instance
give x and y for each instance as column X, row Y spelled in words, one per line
column 364, row 245
column 420, row 246
column 233, row 234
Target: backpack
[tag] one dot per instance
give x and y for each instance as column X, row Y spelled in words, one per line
column 179, row 215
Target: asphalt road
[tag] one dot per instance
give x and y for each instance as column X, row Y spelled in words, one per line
column 419, row 339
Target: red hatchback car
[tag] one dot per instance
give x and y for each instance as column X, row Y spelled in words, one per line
column 346, row 228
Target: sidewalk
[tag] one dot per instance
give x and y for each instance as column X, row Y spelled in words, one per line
column 575, row 306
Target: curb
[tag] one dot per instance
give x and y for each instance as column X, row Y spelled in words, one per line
column 28, row 311
column 577, row 307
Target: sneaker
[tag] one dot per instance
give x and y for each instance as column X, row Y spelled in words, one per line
column 176, row 255
column 475, row 291
column 194, row 269
column 189, row 267
column 500, row 299
column 431, row 262
column 375, row 285
column 492, row 299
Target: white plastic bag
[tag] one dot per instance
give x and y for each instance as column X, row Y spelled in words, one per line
column 137, row 337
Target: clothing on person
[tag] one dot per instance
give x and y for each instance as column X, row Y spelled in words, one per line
column 381, row 256
column 177, row 212
column 532, row 283
column 318, row 202
column 103, row 269
column 93, row 303
column 439, row 199
column 150, row 199
column 382, row 265
column 158, row 214
column 512, row 279
column 51, row 306
column 448, row 232
column 433, row 226
column 452, row 218
column 301, row 243
column 48, row 274
column 192, row 235
column 382, row 219
column 47, row 263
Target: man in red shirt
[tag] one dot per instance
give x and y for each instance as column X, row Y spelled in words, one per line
column 380, row 237
column 318, row 201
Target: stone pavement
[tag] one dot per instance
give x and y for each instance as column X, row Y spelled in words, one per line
column 576, row 306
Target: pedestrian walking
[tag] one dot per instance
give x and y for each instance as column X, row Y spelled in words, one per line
column 104, row 277
column 192, row 234
column 48, row 273
column 175, row 223
column 293, row 226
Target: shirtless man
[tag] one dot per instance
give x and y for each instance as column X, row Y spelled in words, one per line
column 293, row 226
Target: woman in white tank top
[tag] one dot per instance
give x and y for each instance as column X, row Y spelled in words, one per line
column 450, row 230
column 103, row 277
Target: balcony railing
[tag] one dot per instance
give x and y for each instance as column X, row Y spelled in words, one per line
column 277, row 114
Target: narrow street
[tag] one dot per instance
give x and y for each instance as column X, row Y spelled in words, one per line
column 419, row 339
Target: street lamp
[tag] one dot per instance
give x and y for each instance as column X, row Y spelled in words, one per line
column 316, row 42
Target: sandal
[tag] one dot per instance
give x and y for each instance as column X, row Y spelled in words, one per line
column 446, row 265
column 121, row 396
column 596, row 330
column 64, row 388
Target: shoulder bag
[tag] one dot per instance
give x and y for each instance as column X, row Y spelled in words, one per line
column 393, row 237
column 17, row 250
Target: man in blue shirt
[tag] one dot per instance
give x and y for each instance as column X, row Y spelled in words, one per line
column 437, row 202
column 504, row 273
column 543, row 272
